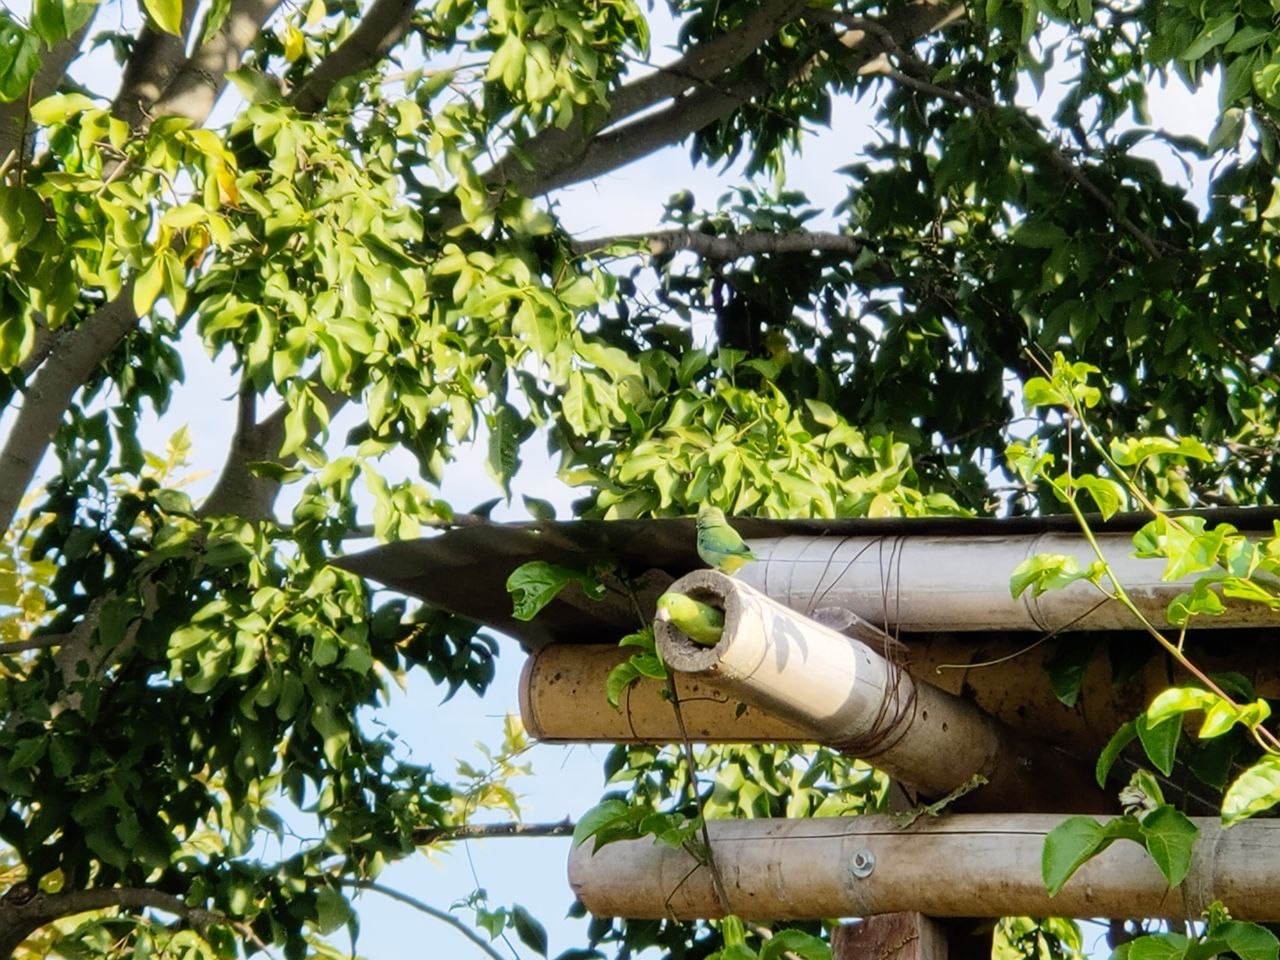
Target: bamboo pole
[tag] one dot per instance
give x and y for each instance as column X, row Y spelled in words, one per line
column 852, row 698
column 562, row 700
column 926, row 583
column 962, row 865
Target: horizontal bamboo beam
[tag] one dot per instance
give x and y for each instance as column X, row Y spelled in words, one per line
column 1005, row 675
column 851, row 697
column 962, row 865
column 562, row 700
column 926, row 583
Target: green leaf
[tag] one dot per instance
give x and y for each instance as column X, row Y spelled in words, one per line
column 598, row 818
column 254, row 85
column 1215, row 33
column 1255, row 790
column 57, row 108
column 507, row 429
column 166, row 14
column 1161, row 946
column 1179, row 700
column 535, row 584
column 1169, row 837
column 55, row 20
column 148, row 285
column 1067, row 667
column 1160, row 740
column 1107, row 494
column 19, row 59
column 1039, row 234
column 618, row 680
column 218, row 11
column 1248, row 941
column 1067, row 847
column 332, row 910
column 1040, row 392
column 531, row 933
column 26, row 753
column 1111, row 752
column 539, row 509
column 1046, row 571
column 795, row 943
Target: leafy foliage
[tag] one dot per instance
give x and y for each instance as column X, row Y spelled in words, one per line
column 361, row 238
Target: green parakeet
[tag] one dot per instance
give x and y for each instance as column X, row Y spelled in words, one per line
column 719, row 545
column 701, row 623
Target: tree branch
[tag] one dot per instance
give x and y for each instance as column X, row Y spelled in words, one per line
column 14, row 119
column 481, row 831
column 156, row 58
column 732, row 247
column 429, row 910
column 239, row 490
column 555, row 147
column 1057, row 160
column 196, row 86
column 561, row 158
column 70, row 362
column 22, row 911
column 381, row 28
column 708, row 60
column 35, row 643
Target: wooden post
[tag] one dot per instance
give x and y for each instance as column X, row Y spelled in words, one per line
column 893, row 936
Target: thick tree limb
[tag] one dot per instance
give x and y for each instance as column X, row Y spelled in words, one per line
column 731, row 247
column 561, row 158
column 15, row 135
column 198, row 83
column 554, row 147
column 70, row 360
column 70, row 363
column 239, row 490
column 706, row 61
column 23, row 912
column 381, row 28
column 156, row 58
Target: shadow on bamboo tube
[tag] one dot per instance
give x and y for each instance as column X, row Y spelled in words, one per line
column 849, row 696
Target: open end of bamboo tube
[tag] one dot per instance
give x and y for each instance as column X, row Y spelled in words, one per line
column 680, row 651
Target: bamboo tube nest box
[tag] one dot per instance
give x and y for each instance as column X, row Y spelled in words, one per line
column 849, row 695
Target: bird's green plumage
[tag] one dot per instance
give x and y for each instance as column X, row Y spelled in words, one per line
column 700, row 622
column 719, row 545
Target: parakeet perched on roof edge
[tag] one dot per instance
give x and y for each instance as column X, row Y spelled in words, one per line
column 719, row 545
column 700, row 622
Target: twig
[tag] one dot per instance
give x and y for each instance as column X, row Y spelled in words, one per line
column 480, row 831
column 35, row 643
column 726, row 247
column 1057, row 159
column 429, row 910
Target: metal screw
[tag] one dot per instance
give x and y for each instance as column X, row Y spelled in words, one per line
column 864, row 861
